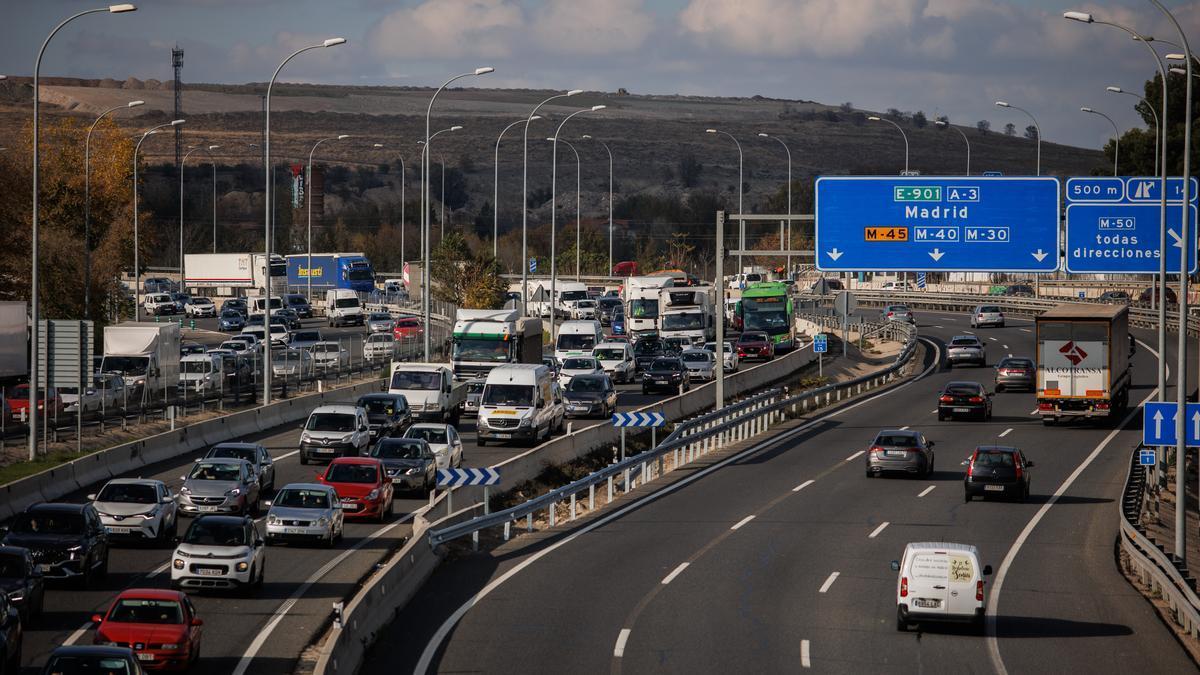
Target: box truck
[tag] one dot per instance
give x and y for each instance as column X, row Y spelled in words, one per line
column 146, row 354
column 1083, row 365
column 486, row 338
column 222, row 274
column 641, row 304
column 351, row 271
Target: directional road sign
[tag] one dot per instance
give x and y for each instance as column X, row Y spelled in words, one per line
column 636, row 419
column 532, row 265
column 448, row 478
column 921, row 280
column 974, row 224
column 1113, row 225
column 820, row 343
column 1146, row 457
column 1158, row 424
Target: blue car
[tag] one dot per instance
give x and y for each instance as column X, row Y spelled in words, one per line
column 618, row 323
column 231, row 320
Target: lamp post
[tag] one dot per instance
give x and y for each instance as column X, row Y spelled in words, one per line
column 788, row 247
column 1116, row 134
column 554, row 226
column 183, row 162
column 1180, row 71
column 33, row 278
column 425, row 203
column 496, row 189
column 268, row 175
column 1005, row 104
column 425, row 154
column 87, row 205
column 942, row 123
column 875, row 118
column 308, row 198
column 1153, row 112
column 442, row 198
column 610, row 199
column 137, row 275
column 741, row 223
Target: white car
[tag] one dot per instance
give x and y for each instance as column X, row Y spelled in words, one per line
column 330, row 355
column 578, row 365
column 940, row 581
column 897, row 286
column 443, row 440
column 106, row 392
column 240, row 347
column 379, row 347
column 249, row 338
column 584, row 309
column 218, row 553
column 156, row 304
column 200, row 307
column 137, row 508
column 616, row 358
column 732, row 361
column 305, row 512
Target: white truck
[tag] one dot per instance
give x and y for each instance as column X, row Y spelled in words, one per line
column 14, row 341
column 687, row 312
column 221, row 274
column 342, row 307
column 640, row 295
column 146, row 355
column 1083, row 367
column 577, row 338
column 486, row 338
column 432, row 393
column 567, row 294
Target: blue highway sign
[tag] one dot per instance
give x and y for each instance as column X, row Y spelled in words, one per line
column 1146, row 457
column 973, row 224
column 1113, row 225
column 636, row 419
column 921, row 280
column 447, row 478
column 532, row 265
column 1158, row 424
column 820, row 343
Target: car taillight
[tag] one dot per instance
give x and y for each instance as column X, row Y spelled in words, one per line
column 979, row 590
column 971, row 467
column 889, row 313
column 904, row 587
column 946, row 398
column 980, row 316
column 875, row 449
column 976, row 399
column 1019, row 472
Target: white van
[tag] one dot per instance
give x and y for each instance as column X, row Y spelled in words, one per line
column 343, row 308
column 940, row 582
column 520, row 402
column 200, row 374
column 577, row 338
column 617, row 360
column 256, row 305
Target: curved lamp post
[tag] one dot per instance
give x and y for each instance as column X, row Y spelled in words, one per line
column 610, row 198
column 941, row 123
column 496, row 188
column 182, row 162
column 876, row 118
column 87, row 205
column 1153, row 112
column 741, row 223
column 1116, row 134
column 137, row 275
column 788, row 246
column 308, row 198
column 1038, row 127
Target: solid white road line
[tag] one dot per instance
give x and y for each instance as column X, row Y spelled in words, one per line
column 926, row 490
column 622, row 638
column 939, row 326
column 993, row 339
column 802, row 485
column 1033, row 412
column 742, row 522
column 903, row 428
column 74, row 637
column 678, row 570
column 1025, row 330
column 933, row 412
column 1005, row 432
column 856, row 455
column 285, row 456
column 829, row 582
column 878, row 530
column 1006, row 347
column 805, row 661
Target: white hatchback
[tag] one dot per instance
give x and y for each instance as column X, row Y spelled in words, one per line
column 219, row 553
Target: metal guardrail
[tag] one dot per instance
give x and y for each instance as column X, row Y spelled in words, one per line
column 1157, row 570
column 690, row 439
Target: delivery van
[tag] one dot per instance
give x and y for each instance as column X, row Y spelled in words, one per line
column 520, row 402
column 939, row 581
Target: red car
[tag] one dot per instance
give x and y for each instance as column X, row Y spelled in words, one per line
column 18, row 402
column 409, row 328
column 363, row 486
column 160, row 626
column 755, row 346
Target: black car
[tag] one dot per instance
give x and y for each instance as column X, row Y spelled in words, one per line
column 665, row 374
column 960, row 399
column 11, row 635
column 409, row 462
column 1020, row 291
column 67, row 541
column 646, row 350
column 1152, row 294
column 290, row 317
column 236, row 304
column 387, row 414
column 299, row 304
column 605, row 306
column 998, row 470
column 92, row 659
column 590, row 396
column 1115, row 297
column 21, row 583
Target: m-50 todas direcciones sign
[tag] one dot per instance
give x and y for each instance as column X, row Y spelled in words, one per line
column 916, row 224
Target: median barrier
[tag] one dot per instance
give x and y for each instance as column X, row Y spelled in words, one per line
column 165, row 446
column 89, row 470
column 123, row 458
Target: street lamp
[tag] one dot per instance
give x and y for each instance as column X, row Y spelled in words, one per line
column 1181, row 71
column 1116, row 134
column 610, row 199
column 308, row 198
column 1005, row 104
column 425, row 203
column 741, row 223
column 1153, row 112
column 33, row 277
column 554, row 227
column 875, row 118
column 788, row 248
column 425, row 155
column 87, row 204
column 943, row 123
column 525, row 206
column 496, row 188
column 137, row 276
column 267, row 175
column 182, row 162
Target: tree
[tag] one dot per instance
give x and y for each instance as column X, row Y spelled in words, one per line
column 384, row 167
column 463, row 278
column 1031, row 132
column 846, row 107
column 984, row 127
column 690, row 169
column 894, row 114
column 919, row 120
column 945, row 122
column 1010, row 129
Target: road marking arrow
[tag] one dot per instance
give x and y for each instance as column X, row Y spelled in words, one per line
column 1158, row 418
column 835, row 254
column 1178, row 239
column 1039, row 255
column 936, row 255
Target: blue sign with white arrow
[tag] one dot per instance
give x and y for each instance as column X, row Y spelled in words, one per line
column 450, row 478
column 1146, row 457
column 1158, row 424
column 1113, row 225
column 638, row 419
column 912, row 224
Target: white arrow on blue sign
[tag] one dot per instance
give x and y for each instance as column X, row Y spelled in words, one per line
column 636, row 419
column 449, row 478
column 1146, row 457
column 820, row 344
column 1158, row 424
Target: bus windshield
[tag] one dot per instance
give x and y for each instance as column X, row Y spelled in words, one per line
column 765, row 314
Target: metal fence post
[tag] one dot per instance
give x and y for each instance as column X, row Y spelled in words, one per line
column 592, row 497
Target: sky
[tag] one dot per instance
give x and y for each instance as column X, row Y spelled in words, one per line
column 951, row 57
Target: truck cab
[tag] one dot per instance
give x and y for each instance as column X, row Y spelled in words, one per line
column 485, row 338
column 430, row 390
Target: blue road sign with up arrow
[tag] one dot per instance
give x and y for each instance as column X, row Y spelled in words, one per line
column 448, row 478
column 1113, row 225
column 912, row 224
column 820, row 344
column 1146, row 457
column 1158, row 424
column 637, row 419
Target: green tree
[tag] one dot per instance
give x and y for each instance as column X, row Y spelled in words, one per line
column 690, row 169
column 463, row 278
column 919, row 120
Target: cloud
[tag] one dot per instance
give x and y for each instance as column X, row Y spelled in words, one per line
column 448, row 29
column 608, row 27
column 258, row 62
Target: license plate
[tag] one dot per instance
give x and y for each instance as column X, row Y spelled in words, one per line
column 293, row 530
column 926, row 603
column 120, row 530
column 207, row 572
column 44, row 568
column 349, row 506
column 207, row 509
column 502, row 435
column 142, row 656
column 962, row 410
column 994, row 488
column 661, row 382
column 896, row 453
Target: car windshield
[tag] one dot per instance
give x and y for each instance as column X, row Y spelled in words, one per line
column 610, row 354
column 608, row 302
column 352, row 473
column 306, row 336
column 586, row 303
column 409, row 323
column 209, row 532
column 585, row 384
column 12, row 566
column 397, row 448
column 48, row 523
column 416, row 380
column 235, row 345
column 573, row 341
column 579, row 364
column 897, row 440
column 897, row 308
column 378, row 406
column 234, row 452
column 380, row 316
column 688, row 321
column 125, row 365
column 427, row 434
column 694, row 357
column 346, row 302
column 88, row 664
column 647, row 347
column 230, row 314
column 993, row 458
column 198, row 367
column 381, row 338
column 1016, row 363
column 137, row 610
column 287, row 355
column 294, row 498
column 665, row 364
column 482, row 349
column 226, row 471
column 508, row 394
column 128, row 493
column 571, row 296
column 963, row 342
column 330, row 422
column 278, row 329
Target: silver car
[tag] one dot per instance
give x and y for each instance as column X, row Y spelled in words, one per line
column 257, row 455
column 329, row 355
column 900, row 451
column 223, row 486
column 701, row 364
column 898, row 313
column 292, row 363
column 305, row 512
column 966, row 349
column 380, row 322
column 987, row 315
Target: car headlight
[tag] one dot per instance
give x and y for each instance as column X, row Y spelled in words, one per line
column 322, row 521
column 305, row 438
column 75, row 551
column 525, row 422
column 177, row 564
column 234, row 492
column 151, row 514
column 16, row 596
column 347, row 438
column 169, row 646
column 373, row 495
column 184, row 489
column 242, row 566
column 271, row 519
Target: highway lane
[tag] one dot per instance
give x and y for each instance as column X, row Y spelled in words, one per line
column 750, row 598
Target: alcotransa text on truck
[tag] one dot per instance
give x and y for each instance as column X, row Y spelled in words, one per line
column 352, row 271
column 486, row 338
column 1083, row 365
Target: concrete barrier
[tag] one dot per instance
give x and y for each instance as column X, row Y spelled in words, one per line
column 89, row 470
